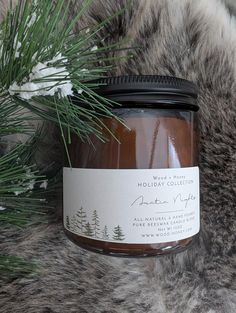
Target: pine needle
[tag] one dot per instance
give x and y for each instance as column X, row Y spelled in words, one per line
column 47, row 72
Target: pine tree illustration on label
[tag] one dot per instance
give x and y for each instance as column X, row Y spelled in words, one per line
column 67, row 222
column 81, row 219
column 80, row 225
column 88, row 230
column 118, row 234
column 95, row 224
column 105, row 234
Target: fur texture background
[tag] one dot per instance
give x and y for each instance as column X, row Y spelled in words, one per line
column 190, row 39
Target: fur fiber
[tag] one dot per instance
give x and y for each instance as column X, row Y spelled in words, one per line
column 195, row 40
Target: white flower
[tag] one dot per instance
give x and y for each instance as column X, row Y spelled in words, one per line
column 2, row 208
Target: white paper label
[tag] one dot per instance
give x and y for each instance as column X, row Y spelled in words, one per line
column 132, row 206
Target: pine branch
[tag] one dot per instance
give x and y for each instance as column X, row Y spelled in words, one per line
column 46, row 72
column 21, row 197
column 11, row 118
column 42, row 57
column 12, row 267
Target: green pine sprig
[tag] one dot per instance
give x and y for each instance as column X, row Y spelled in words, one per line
column 49, row 40
column 22, row 195
column 12, row 267
column 42, row 60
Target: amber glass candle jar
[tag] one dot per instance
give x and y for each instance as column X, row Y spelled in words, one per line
column 137, row 194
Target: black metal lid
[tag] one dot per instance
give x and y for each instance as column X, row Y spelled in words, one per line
column 150, row 91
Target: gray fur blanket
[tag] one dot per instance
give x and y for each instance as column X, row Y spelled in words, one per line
column 185, row 38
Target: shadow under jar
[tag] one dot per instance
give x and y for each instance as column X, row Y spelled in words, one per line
column 137, row 194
